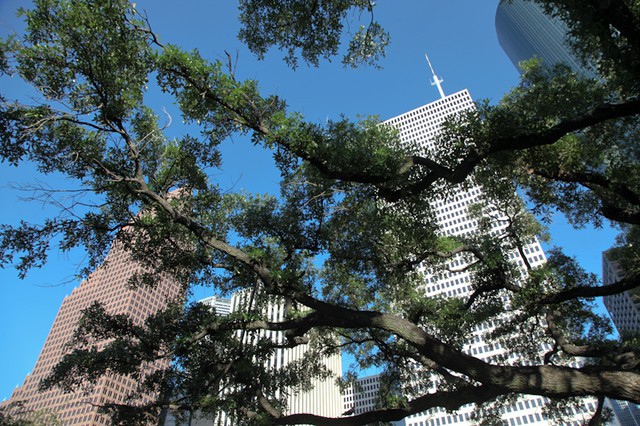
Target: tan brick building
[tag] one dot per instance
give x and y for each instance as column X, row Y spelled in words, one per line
column 108, row 285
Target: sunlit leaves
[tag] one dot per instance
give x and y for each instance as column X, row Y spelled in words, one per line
column 90, row 53
column 351, row 238
column 311, row 30
column 367, row 46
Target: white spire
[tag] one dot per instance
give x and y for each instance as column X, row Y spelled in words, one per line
column 436, row 81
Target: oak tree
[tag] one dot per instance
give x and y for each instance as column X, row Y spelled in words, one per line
column 346, row 243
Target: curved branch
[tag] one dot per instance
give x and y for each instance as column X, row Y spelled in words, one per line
column 590, row 180
column 599, row 114
column 595, row 181
column 562, row 343
column 539, row 380
column 627, row 283
column 451, row 400
column 626, row 358
column 421, row 257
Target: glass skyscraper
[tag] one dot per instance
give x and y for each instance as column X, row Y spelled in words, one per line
column 525, row 32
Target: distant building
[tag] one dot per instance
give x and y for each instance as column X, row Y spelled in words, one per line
column 624, row 308
column 362, row 395
column 525, row 32
column 325, row 398
column 108, row 285
column 222, row 305
column 625, row 413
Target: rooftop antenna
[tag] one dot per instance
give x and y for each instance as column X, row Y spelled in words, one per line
column 436, row 81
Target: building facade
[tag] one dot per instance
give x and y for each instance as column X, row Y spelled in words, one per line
column 362, row 395
column 525, row 32
column 624, row 308
column 222, row 305
column 109, row 285
column 324, row 398
column 420, row 127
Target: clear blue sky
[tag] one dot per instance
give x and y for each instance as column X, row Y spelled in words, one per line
column 458, row 35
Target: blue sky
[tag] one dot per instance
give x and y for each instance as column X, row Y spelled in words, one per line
column 458, row 35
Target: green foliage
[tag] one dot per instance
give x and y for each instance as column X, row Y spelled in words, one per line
column 588, row 175
column 312, row 30
column 351, row 247
column 89, row 53
column 15, row 414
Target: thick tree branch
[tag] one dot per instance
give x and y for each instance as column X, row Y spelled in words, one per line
column 451, row 400
column 591, row 180
column 626, row 358
column 598, row 183
column 563, row 343
column 627, row 283
column 549, row 136
column 539, row 380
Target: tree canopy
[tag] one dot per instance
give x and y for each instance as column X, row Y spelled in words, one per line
column 347, row 243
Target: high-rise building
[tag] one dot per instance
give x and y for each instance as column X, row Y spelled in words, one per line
column 624, row 307
column 625, row 413
column 222, row 305
column 420, row 127
column 525, row 32
column 362, row 395
column 109, row 285
column 324, row 398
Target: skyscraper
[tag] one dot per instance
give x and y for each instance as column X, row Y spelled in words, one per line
column 323, row 399
column 362, row 396
column 624, row 308
column 419, row 127
column 108, row 285
column 525, row 32
column 222, row 305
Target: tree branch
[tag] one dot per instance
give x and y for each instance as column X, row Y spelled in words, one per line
column 451, row 400
column 627, row 283
column 549, row 136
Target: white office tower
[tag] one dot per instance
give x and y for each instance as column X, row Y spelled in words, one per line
column 222, row 305
column 324, row 398
column 419, row 128
column 362, row 395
